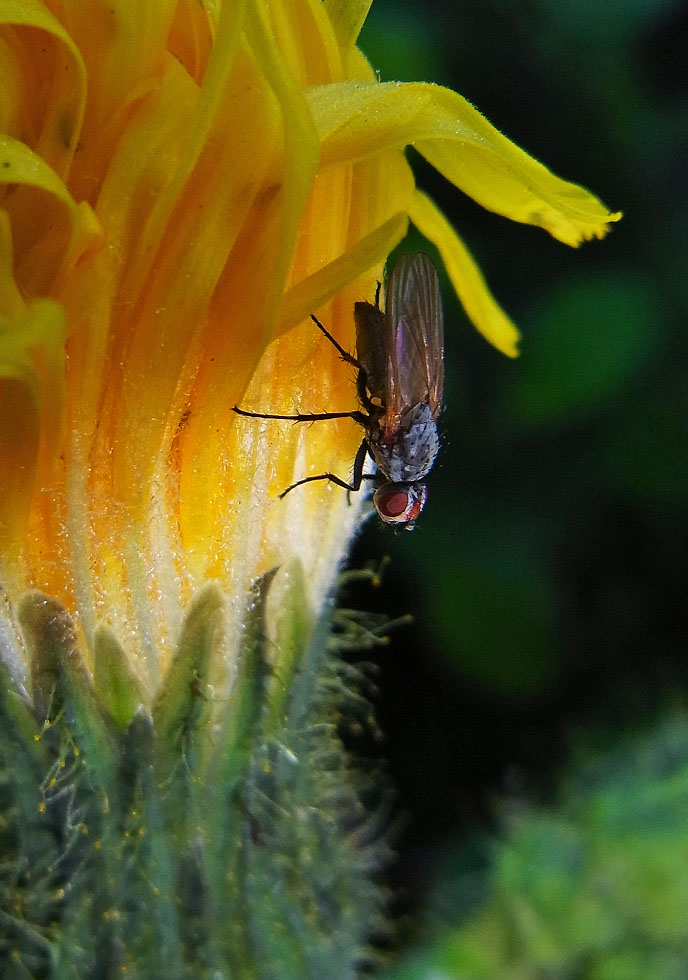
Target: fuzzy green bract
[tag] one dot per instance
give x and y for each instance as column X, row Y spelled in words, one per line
column 201, row 838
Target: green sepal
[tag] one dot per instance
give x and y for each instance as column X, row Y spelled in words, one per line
column 288, row 624
column 225, row 784
column 239, row 727
column 233, row 843
column 25, row 758
column 18, row 723
column 181, row 710
column 153, row 857
column 118, row 688
column 308, row 894
column 60, row 682
column 124, row 909
column 247, row 701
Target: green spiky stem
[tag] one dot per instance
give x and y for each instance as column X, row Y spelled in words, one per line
column 188, row 840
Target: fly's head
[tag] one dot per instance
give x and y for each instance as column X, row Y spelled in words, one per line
column 400, row 503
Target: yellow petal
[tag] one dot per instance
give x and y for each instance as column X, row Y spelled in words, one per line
column 467, row 279
column 347, row 18
column 301, row 145
column 203, row 110
column 364, row 228
column 53, row 108
column 32, row 338
column 121, row 43
column 357, row 119
column 12, row 303
column 313, row 292
column 52, row 232
column 20, row 165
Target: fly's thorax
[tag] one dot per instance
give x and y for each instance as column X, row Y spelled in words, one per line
column 406, row 453
column 400, row 503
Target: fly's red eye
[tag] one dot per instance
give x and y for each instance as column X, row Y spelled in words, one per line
column 400, row 503
column 395, row 504
column 414, row 509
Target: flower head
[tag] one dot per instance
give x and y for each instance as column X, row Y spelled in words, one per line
column 183, row 184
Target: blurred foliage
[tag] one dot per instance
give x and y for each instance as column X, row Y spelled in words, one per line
column 593, row 888
column 547, row 575
column 582, row 349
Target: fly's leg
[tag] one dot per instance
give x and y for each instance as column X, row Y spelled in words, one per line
column 361, row 377
column 316, row 416
column 364, row 398
column 321, row 476
column 359, row 462
column 345, row 355
column 360, row 417
column 304, row 416
column 361, row 388
column 357, row 477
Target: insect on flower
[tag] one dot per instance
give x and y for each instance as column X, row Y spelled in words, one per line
column 400, row 364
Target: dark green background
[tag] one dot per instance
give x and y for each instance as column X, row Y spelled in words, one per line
column 547, row 576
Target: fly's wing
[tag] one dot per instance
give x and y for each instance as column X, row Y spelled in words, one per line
column 371, row 352
column 414, row 338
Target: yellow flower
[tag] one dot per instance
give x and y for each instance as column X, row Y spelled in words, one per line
column 182, row 185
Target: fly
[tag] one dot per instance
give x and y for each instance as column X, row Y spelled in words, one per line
column 400, row 380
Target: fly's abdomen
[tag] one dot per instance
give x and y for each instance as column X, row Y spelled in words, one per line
column 410, row 454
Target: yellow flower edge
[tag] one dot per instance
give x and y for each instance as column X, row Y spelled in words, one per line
column 360, row 119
